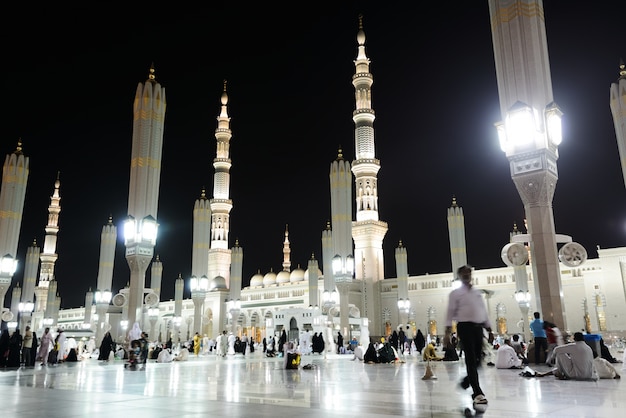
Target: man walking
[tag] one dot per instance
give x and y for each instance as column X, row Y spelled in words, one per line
column 27, row 345
column 467, row 307
column 539, row 337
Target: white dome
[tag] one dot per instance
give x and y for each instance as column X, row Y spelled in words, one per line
column 319, row 274
column 218, row 282
column 297, row 275
column 269, row 278
column 282, row 277
column 256, row 280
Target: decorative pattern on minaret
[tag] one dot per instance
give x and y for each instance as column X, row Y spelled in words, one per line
column 618, row 109
column 48, row 256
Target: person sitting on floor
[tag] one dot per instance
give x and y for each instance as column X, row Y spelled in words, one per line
column 449, row 349
column 604, row 368
column 519, row 348
column 575, row 360
column 506, row 357
column 430, row 353
column 371, row 356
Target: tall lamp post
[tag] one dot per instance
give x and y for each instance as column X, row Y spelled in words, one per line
column 102, row 298
column 233, row 307
column 153, row 317
column 198, row 288
column 343, row 272
column 8, row 266
column 25, row 310
column 523, row 300
column 140, row 237
column 404, row 306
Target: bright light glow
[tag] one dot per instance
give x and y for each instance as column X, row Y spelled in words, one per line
column 350, row 265
column 103, row 296
column 336, row 264
column 193, row 283
column 130, row 229
column 553, row 124
column 8, row 265
column 520, row 125
column 124, row 323
column 12, row 325
column 456, row 283
column 153, row 313
column 203, row 283
column 26, row 307
column 149, row 229
column 501, row 136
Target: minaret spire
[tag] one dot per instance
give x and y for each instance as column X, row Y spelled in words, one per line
column 618, row 109
column 368, row 231
column 221, row 204
column 48, row 256
column 286, row 251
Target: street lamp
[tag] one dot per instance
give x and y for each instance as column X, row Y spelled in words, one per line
column 198, row 287
column 25, row 309
column 140, row 238
column 233, row 307
column 153, row 316
column 8, row 266
column 523, row 300
column 404, row 306
column 530, row 138
column 343, row 272
column 102, row 300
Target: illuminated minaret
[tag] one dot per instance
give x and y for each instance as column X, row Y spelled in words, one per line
column 30, row 273
column 618, row 108
column 48, row 256
column 12, row 194
column 368, row 231
column 221, row 204
column 108, row 239
column 140, row 230
column 456, row 231
column 286, row 251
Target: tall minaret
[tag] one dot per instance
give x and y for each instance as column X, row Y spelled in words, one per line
column 221, row 204
column 341, row 205
column 30, row 272
column 368, row 231
column 12, row 194
column 618, row 108
column 286, row 251
column 140, row 230
column 108, row 239
column 456, row 230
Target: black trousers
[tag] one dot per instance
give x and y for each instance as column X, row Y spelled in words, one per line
column 471, row 336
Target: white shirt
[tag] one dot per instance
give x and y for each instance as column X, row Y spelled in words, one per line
column 466, row 304
column 575, row 361
column 506, row 357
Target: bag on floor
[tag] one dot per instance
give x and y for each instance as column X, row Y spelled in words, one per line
column 293, row 360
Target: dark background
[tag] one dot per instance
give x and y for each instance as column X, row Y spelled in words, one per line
column 69, row 77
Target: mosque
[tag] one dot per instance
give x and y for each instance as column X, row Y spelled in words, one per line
column 345, row 292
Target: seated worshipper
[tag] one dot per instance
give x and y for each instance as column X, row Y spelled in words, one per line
column 430, row 353
column 575, row 360
column 386, row 353
column 449, row 349
column 605, row 353
column 291, row 355
column 506, row 357
column 183, row 355
column 165, row 356
column 359, row 352
column 519, row 348
column 371, row 356
column 604, row 368
column 72, row 356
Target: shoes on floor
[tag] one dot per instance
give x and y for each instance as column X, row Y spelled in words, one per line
column 480, row 399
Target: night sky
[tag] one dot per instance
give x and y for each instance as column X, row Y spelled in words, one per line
column 69, row 78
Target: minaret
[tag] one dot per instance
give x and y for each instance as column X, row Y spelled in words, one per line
column 286, row 251
column 179, row 287
column 368, row 231
column 530, row 133
column 156, row 274
column 313, row 270
column 12, row 194
column 221, row 204
column 201, row 237
column 236, row 272
column 618, row 108
column 341, row 205
column 327, row 257
column 30, row 273
column 140, row 230
column 456, row 231
column 402, row 272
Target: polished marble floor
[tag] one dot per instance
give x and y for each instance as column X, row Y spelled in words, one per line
column 256, row 386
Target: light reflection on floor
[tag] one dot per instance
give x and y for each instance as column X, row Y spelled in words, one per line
column 256, row 386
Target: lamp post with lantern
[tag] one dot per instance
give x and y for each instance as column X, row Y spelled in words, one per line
column 102, row 298
column 25, row 310
column 199, row 288
column 343, row 272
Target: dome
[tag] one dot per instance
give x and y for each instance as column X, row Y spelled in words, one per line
column 297, row 275
column 269, row 278
column 218, row 282
column 319, row 274
column 282, row 277
column 256, row 280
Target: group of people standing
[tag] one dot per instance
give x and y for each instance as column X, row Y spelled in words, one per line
column 18, row 350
